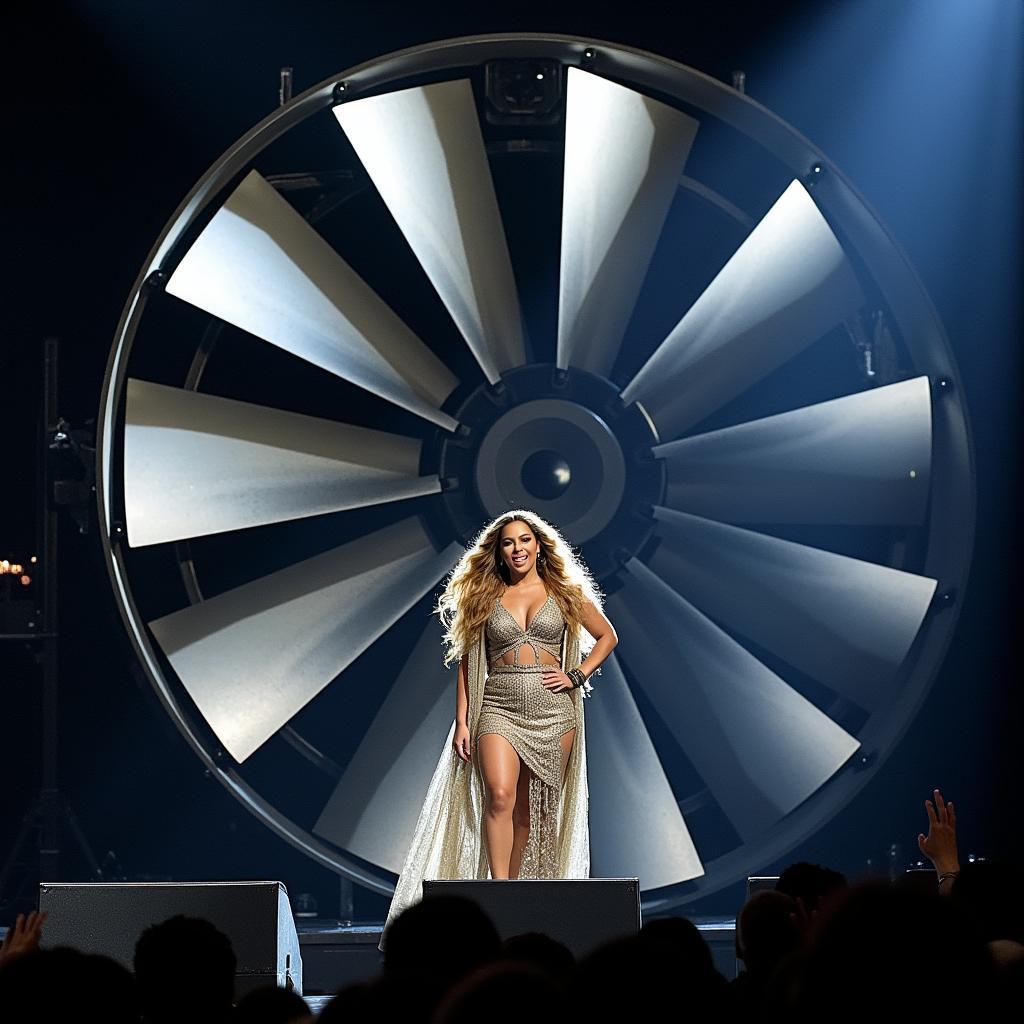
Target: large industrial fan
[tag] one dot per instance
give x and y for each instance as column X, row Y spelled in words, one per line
column 544, row 272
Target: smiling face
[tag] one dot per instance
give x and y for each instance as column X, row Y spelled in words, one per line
column 518, row 547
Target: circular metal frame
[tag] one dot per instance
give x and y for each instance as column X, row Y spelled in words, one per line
column 951, row 523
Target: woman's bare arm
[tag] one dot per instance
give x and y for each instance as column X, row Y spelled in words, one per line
column 462, row 692
column 460, row 741
column 605, row 637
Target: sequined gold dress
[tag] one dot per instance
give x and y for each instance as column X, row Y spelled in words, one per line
column 532, row 718
column 448, row 840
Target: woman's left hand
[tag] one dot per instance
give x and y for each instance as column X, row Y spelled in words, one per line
column 555, row 680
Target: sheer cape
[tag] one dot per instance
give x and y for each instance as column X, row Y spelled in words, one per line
column 448, row 841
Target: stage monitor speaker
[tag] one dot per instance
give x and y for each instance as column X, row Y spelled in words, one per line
column 758, row 883
column 581, row 913
column 755, row 884
column 108, row 918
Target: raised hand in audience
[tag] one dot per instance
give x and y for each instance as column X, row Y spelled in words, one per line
column 939, row 846
column 24, row 936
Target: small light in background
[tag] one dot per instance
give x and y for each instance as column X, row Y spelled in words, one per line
column 26, row 580
column 9, row 568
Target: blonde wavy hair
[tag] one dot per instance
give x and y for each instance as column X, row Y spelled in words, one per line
column 480, row 578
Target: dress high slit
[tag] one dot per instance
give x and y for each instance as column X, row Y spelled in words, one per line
column 532, row 718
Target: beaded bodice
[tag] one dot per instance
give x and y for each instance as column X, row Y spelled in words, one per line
column 544, row 630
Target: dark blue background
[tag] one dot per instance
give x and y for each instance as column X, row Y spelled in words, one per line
column 114, row 109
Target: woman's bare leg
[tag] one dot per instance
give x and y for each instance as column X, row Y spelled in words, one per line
column 499, row 766
column 565, row 741
column 520, row 822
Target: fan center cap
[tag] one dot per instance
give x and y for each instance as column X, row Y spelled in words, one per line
column 557, row 458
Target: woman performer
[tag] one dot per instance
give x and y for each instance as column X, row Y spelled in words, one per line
column 524, row 621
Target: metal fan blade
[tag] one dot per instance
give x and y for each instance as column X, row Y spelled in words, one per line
column 424, row 151
column 374, row 807
column 843, row 621
column 860, row 460
column 760, row 747
column 630, row 796
column 624, row 156
column 253, row 657
column 260, row 266
column 785, row 286
column 197, row 464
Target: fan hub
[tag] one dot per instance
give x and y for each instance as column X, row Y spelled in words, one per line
column 546, row 473
column 565, row 436
column 562, row 444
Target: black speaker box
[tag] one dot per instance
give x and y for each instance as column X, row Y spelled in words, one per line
column 581, row 913
column 108, row 918
column 759, row 883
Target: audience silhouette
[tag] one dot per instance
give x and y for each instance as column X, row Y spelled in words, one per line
column 814, row 948
column 271, row 1005
column 64, row 984
column 185, row 971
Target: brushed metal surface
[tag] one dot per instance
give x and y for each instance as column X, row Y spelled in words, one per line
column 253, row 657
column 786, row 285
column 373, row 809
column 424, row 151
column 760, row 747
column 197, row 464
column 260, row 266
column 862, row 459
column 843, row 621
column 624, row 156
column 636, row 827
